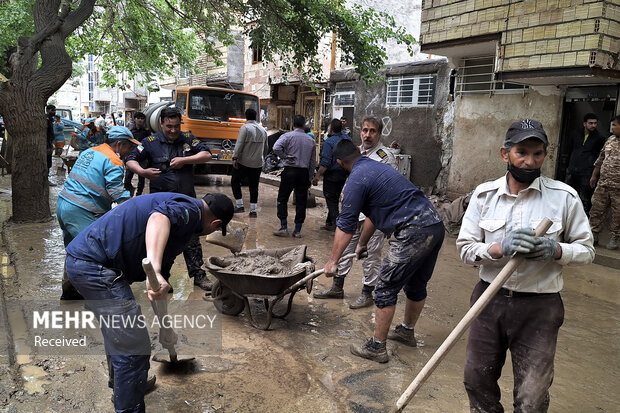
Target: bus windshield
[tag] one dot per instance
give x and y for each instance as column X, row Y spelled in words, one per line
column 218, row 105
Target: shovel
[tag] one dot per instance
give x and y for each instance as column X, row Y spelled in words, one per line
column 475, row 310
column 234, row 239
column 167, row 336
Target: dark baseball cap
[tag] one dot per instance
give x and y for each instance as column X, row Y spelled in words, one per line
column 525, row 129
column 221, row 206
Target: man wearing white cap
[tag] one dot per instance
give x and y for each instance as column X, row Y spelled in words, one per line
column 95, row 182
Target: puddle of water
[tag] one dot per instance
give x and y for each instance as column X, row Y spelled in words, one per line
column 20, row 337
column 34, row 379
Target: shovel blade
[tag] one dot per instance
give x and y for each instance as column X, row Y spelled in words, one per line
column 163, row 357
column 234, row 239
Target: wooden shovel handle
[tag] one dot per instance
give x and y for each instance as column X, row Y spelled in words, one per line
column 465, row 322
column 150, row 274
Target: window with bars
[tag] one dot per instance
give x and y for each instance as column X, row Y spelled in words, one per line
column 476, row 75
column 416, row 90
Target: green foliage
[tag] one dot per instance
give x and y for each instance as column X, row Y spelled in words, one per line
column 294, row 29
column 148, row 38
column 15, row 21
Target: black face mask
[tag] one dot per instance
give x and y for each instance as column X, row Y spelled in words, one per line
column 525, row 176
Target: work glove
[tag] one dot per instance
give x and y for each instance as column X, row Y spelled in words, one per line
column 544, row 250
column 520, row 240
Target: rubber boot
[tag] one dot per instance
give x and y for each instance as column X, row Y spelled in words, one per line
column 335, row 291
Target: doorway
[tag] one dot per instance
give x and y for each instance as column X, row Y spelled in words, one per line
column 601, row 100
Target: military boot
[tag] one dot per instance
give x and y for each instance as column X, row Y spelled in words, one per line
column 202, row 281
column 371, row 350
column 613, row 243
column 335, row 291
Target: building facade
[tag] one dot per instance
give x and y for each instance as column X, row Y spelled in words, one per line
column 551, row 60
column 414, row 107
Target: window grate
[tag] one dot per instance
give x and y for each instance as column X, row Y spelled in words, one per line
column 411, row 90
column 477, row 75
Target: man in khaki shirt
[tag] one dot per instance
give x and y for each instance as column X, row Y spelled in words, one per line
column 526, row 314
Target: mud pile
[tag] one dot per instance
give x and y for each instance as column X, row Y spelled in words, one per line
column 262, row 264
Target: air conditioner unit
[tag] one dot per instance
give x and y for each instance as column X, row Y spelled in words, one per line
column 344, row 99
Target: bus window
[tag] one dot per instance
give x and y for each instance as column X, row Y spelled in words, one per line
column 182, row 102
column 221, row 106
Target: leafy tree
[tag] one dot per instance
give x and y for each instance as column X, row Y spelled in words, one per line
column 42, row 38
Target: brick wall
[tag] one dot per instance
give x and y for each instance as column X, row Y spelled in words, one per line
column 535, row 34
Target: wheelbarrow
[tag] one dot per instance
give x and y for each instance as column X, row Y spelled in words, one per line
column 231, row 291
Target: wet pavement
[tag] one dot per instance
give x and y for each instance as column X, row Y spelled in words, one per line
column 303, row 363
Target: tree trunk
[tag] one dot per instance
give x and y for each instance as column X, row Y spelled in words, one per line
column 25, row 119
column 39, row 67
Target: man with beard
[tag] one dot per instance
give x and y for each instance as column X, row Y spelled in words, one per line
column 586, row 143
column 526, row 314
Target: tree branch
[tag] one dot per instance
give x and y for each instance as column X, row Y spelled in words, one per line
column 77, row 17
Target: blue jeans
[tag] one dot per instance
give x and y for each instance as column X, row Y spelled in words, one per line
column 128, row 348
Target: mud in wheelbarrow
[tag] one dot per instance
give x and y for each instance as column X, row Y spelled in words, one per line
column 233, row 288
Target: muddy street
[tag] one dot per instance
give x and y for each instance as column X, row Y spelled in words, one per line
column 303, row 363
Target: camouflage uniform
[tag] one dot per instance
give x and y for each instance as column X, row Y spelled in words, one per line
column 607, row 193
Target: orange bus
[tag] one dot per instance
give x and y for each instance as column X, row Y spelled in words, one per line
column 213, row 115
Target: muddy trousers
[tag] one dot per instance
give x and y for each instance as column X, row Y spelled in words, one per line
column 253, row 177
column 293, row 179
column 603, row 199
column 528, row 327
column 371, row 265
column 128, row 349
column 333, row 182
column 409, row 264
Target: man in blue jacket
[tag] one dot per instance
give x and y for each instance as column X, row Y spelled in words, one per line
column 106, row 258
column 334, row 176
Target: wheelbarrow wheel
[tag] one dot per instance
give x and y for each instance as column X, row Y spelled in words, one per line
column 227, row 303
